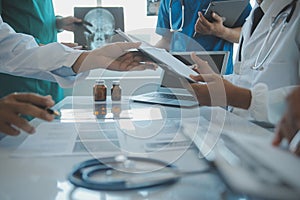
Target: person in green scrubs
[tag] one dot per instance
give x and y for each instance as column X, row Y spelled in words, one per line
column 36, row 18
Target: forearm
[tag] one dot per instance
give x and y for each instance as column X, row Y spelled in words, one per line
column 78, row 63
column 239, row 97
column 230, row 34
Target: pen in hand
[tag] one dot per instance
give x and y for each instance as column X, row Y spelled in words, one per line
column 53, row 112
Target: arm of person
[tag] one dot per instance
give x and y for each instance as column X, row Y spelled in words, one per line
column 23, row 57
column 216, row 28
column 217, row 91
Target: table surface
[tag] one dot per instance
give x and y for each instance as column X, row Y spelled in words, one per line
column 45, row 177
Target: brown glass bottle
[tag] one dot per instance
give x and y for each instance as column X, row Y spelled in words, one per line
column 99, row 91
column 116, row 91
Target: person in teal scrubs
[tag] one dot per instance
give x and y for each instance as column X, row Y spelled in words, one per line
column 36, row 18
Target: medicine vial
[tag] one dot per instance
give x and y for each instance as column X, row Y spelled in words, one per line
column 99, row 91
column 116, row 91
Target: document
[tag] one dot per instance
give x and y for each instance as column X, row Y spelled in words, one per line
column 163, row 58
column 67, row 139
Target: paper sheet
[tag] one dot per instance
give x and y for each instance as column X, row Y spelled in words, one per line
column 61, row 139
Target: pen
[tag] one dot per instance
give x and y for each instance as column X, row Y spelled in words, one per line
column 194, row 35
column 53, row 112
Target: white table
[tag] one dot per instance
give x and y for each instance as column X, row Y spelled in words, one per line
column 45, row 177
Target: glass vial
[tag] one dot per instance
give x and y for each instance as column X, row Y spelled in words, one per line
column 99, row 91
column 116, row 91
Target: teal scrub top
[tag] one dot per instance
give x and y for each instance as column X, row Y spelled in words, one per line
column 36, row 18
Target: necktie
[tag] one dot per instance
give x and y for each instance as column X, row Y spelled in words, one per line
column 258, row 13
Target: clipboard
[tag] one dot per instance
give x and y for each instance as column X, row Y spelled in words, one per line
column 230, row 10
column 163, row 58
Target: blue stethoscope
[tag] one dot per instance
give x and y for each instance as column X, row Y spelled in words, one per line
column 182, row 17
column 287, row 17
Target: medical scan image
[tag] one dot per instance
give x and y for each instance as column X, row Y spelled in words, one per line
column 101, row 29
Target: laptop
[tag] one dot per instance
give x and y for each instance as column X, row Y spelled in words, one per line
column 171, row 92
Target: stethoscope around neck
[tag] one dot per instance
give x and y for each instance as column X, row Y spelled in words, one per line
column 282, row 14
column 182, row 16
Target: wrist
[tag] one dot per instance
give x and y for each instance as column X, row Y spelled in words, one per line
column 76, row 67
column 58, row 23
column 239, row 97
column 222, row 32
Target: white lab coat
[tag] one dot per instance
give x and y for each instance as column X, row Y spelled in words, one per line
column 281, row 69
column 20, row 55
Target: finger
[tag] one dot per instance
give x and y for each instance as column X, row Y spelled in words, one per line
column 128, row 45
column 32, row 110
column 297, row 151
column 201, row 28
column 203, row 78
column 43, row 101
column 197, row 78
column 149, row 65
column 8, row 129
column 204, row 21
column 21, row 123
column 202, row 65
column 217, row 17
column 198, row 22
column 277, row 139
column 77, row 20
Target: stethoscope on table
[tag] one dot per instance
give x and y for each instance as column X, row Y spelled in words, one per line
column 170, row 17
column 282, row 14
column 126, row 173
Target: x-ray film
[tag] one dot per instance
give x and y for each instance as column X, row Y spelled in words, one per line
column 98, row 25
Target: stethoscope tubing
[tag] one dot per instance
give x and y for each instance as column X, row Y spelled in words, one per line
column 182, row 17
column 79, row 178
column 259, row 65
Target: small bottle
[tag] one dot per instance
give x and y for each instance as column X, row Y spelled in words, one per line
column 99, row 91
column 116, row 91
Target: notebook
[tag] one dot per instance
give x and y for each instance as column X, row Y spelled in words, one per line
column 171, row 92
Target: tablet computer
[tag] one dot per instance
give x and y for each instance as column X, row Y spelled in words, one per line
column 230, row 10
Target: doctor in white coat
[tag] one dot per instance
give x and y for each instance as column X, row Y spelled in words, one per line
column 266, row 68
column 20, row 55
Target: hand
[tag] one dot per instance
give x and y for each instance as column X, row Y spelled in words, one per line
column 67, row 23
column 204, row 27
column 213, row 93
column 14, row 105
column 207, row 94
column 115, row 56
column 217, row 91
column 290, row 123
column 201, row 66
